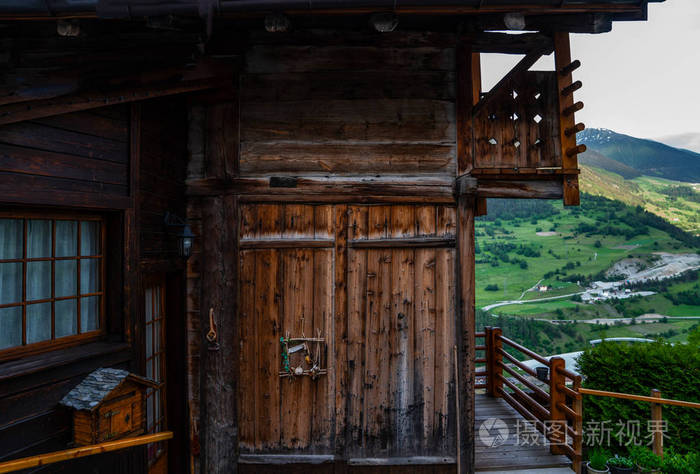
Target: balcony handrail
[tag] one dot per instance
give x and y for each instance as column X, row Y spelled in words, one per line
column 82, row 451
column 562, row 403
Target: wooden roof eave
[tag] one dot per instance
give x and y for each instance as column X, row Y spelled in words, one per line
column 137, row 9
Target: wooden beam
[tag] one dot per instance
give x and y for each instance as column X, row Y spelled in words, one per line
column 426, row 242
column 468, row 92
column 567, row 122
column 520, row 189
column 336, row 189
column 465, row 324
column 505, row 43
column 94, row 99
column 83, row 451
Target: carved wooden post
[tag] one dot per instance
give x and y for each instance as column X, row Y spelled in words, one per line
column 656, row 417
column 497, row 359
column 556, row 415
column 578, row 426
column 488, row 342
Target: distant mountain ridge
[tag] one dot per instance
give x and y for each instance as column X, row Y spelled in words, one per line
column 631, row 157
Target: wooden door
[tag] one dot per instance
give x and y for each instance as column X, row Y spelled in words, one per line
column 389, row 385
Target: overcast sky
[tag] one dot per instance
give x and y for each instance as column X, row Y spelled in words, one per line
column 641, row 79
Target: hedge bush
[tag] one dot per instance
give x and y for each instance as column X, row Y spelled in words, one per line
column 636, row 369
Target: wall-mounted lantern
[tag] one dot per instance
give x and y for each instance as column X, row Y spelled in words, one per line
column 185, row 237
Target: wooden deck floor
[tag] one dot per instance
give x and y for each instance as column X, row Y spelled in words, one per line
column 510, row 454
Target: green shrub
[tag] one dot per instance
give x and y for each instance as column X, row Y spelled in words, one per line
column 680, row 464
column 637, row 369
column 620, row 461
column 645, row 458
column 597, row 459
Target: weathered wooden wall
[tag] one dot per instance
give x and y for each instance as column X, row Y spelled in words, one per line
column 127, row 163
column 348, row 104
column 73, row 160
column 79, row 159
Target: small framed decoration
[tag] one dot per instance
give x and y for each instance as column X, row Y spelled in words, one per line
column 303, row 356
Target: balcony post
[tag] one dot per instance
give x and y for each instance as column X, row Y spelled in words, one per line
column 656, row 418
column 488, row 342
column 496, row 372
column 557, row 418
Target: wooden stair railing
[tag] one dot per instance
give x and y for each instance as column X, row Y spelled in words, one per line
column 82, row 451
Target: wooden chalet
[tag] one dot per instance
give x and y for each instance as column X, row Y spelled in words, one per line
column 329, row 159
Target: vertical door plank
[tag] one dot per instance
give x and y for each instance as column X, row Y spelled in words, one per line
column 357, row 270
column 403, row 326
column 323, row 222
column 444, row 342
column 297, row 321
column 378, row 222
column 425, row 328
column 298, row 221
column 373, row 343
column 357, row 222
column 339, row 376
column 425, row 221
column 323, row 407
column 267, row 316
column 402, row 222
column 247, row 392
column 446, row 221
column 269, row 221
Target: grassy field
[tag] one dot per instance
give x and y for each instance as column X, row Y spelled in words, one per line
column 516, row 252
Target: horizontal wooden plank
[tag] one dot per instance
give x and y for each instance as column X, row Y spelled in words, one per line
column 285, row 243
column 50, row 138
column 355, row 120
column 344, row 158
column 92, row 123
column 282, row 459
column 424, row 242
column 349, row 85
column 346, row 37
column 30, row 189
column 31, row 161
column 272, row 59
column 517, row 188
column 402, row 461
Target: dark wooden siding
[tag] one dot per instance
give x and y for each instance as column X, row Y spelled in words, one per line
column 162, row 174
column 79, row 159
column 319, row 104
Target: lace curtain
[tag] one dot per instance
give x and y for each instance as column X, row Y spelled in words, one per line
column 62, row 251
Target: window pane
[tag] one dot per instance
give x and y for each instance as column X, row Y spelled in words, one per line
column 149, row 304
column 89, row 238
column 149, row 340
column 38, row 238
column 89, row 275
column 38, row 280
column 38, row 322
column 11, row 238
column 149, row 412
column 66, row 278
column 156, row 303
column 10, row 283
column 89, row 313
column 66, row 317
column 10, row 327
column 66, row 238
column 156, row 339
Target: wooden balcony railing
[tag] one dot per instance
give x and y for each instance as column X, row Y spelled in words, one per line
column 552, row 398
column 551, row 401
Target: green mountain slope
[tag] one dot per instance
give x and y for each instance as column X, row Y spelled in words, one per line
column 647, row 157
column 677, row 202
